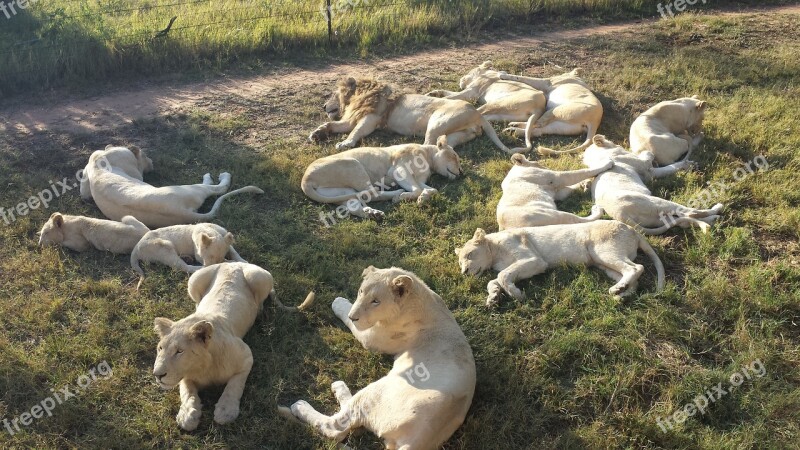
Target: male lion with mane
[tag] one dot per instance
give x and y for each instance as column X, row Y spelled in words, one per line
column 360, row 106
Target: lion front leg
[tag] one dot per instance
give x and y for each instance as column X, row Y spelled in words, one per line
column 188, row 416
column 520, row 270
column 362, row 129
column 328, row 128
column 227, row 408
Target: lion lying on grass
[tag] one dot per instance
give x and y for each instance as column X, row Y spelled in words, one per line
column 426, row 395
column 356, row 177
column 622, row 194
column 207, row 243
column 114, row 181
column 206, row 347
column 530, row 192
column 360, row 106
column 572, row 109
column 521, row 253
column 81, row 233
column 669, row 129
column 501, row 100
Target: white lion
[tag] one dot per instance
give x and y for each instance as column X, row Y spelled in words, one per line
column 572, row 109
column 501, row 100
column 360, row 106
column 530, row 192
column 669, row 129
column 521, row 253
column 81, row 233
column 113, row 178
column 358, row 176
column 206, row 243
column 426, row 395
column 206, row 347
column 622, row 194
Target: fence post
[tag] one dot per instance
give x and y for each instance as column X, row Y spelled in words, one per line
column 330, row 26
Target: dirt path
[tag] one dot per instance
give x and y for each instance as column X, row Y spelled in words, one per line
column 102, row 113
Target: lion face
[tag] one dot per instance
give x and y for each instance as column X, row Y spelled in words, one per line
column 475, row 257
column 601, row 151
column 474, row 74
column 213, row 249
column 339, row 100
column 445, row 161
column 697, row 112
column 182, row 350
column 333, row 107
column 52, row 232
column 380, row 296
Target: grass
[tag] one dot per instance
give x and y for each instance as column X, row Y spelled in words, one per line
column 569, row 367
column 82, row 42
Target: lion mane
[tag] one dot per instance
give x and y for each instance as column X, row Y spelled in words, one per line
column 365, row 96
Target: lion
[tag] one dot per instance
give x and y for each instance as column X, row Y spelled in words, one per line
column 425, row 397
column 669, row 129
column 360, row 106
column 501, row 100
column 81, row 233
column 530, row 192
column 206, row 347
column 114, row 180
column 354, row 177
column 206, row 243
column 572, row 109
column 522, row 253
column 622, row 194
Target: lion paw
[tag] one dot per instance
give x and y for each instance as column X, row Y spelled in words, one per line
column 341, row 307
column 514, row 292
column 374, row 214
column 344, row 145
column 300, row 408
column 226, row 412
column 492, row 300
column 207, row 179
column 436, row 93
column 224, row 178
column 188, row 418
column 318, row 135
column 405, row 197
column 426, row 195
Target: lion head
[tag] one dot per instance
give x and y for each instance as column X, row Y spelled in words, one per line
column 475, row 256
column 483, row 70
column 384, row 295
column 356, row 98
column 697, row 112
column 445, row 161
column 212, row 248
column 601, row 150
column 125, row 158
column 52, row 232
column 182, row 350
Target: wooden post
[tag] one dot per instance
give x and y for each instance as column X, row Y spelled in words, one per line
column 330, row 26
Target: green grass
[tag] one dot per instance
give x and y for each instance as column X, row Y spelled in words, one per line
column 82, row 42
column 569, row 367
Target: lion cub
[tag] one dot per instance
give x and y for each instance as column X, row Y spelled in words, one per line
column 81, row 233
column 206, row 347
column 423, row 400
column 207, row 243
column 669, row 129
column 524, row 252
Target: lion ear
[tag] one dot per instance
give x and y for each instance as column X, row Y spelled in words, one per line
column 599, row 140
column 229, row 239
column 57, row 219
column 486, row 64
column 205, row 240
column 442, row 141
column 401, row 285
column 368, row 271
column 109, row 146
column 350, row 82
column 162, row 326
column 701, row 105
column 519, row 159
column 479, row 235
column 458, row 251
column 135, row 150
column 202, row 331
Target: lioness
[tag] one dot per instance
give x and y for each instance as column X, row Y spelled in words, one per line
column 81, row 233
column 501, row 100
column 354, row 177
column 114, row 178
column 572, row 109
column 524, row 252
column 624, row 196
column 669, row 129
column 426, row 395
column 207, row 243
column 530, row 192
column 360, row 106
column 206, row 347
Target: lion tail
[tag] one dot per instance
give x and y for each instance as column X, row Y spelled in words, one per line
column 648, row 250
column 544, row 151
column 136, row 266
column 489, row 130
column 302, row 307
